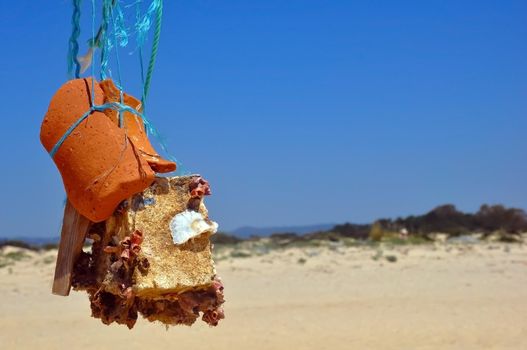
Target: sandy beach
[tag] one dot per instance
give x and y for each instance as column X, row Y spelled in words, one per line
column 434, row 296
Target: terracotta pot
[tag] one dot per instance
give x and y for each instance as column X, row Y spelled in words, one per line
column 98, row 164
column 135, row 128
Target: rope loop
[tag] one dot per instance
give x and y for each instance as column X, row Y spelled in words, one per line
column 116, row 106
column 74, row 39
column 113, row 33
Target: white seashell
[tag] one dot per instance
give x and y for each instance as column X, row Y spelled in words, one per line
column 189, row 224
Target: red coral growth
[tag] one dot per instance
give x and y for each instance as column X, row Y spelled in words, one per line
column 212, row 317
column 199, row 187
column 207, row 301
column 136, row 240
column 186, row 307
column 113, row 308
column 214, row 312
column 122, row 305
column 125, row 254
column 137, row 237
column 128, row 248
column 120, row 308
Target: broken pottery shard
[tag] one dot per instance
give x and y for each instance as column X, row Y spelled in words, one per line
column 135, row 126
column 136, row 268
column 97, row 161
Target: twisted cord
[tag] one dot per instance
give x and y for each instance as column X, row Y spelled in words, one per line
column 104, row 37
column 120, row 38
column 116, row 106
column 120, row 83
column 73, row 51
column 155, row 46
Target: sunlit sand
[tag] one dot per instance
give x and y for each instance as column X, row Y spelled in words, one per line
column 441, row 296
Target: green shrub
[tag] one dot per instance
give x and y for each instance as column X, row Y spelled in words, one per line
column 240, row 254
column 376, row 232
column 16, row 256
column 391, row 258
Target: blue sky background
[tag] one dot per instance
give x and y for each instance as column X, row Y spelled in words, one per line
column 297, row 111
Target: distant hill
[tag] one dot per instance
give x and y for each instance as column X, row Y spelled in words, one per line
column 445, row 218
column 248, row 231
column 34, row 241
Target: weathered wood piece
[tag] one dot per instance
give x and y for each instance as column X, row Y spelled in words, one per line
column 74, row 229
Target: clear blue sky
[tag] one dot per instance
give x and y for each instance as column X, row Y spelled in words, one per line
column 297, row 111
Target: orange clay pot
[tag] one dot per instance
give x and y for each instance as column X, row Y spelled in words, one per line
column 98, row 164
column 135, row 128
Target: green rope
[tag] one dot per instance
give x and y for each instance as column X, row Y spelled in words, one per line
column 114, row 22
column 155, row 45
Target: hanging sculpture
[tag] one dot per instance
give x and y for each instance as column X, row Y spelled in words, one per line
column 151, row 253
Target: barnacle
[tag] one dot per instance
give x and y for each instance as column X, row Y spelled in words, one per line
column 199, row 187
column 189, row 224
column 128, row 248
column 212, row 317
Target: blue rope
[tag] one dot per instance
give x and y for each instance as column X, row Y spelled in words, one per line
column 143, row 26
column 116, row 106
column 104, row 41
column 73, row 41
column 120, row 26
column 119, row 85
column 120, row 38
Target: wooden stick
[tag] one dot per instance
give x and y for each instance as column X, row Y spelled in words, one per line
column 74, row 229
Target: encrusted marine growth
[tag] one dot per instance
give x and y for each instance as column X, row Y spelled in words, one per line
column 199, row 187
column 153, row 257
column 186, row 307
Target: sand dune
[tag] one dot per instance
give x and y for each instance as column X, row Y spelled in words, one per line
column 431, row 297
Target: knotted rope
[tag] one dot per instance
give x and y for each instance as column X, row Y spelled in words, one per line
column 112, row 13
